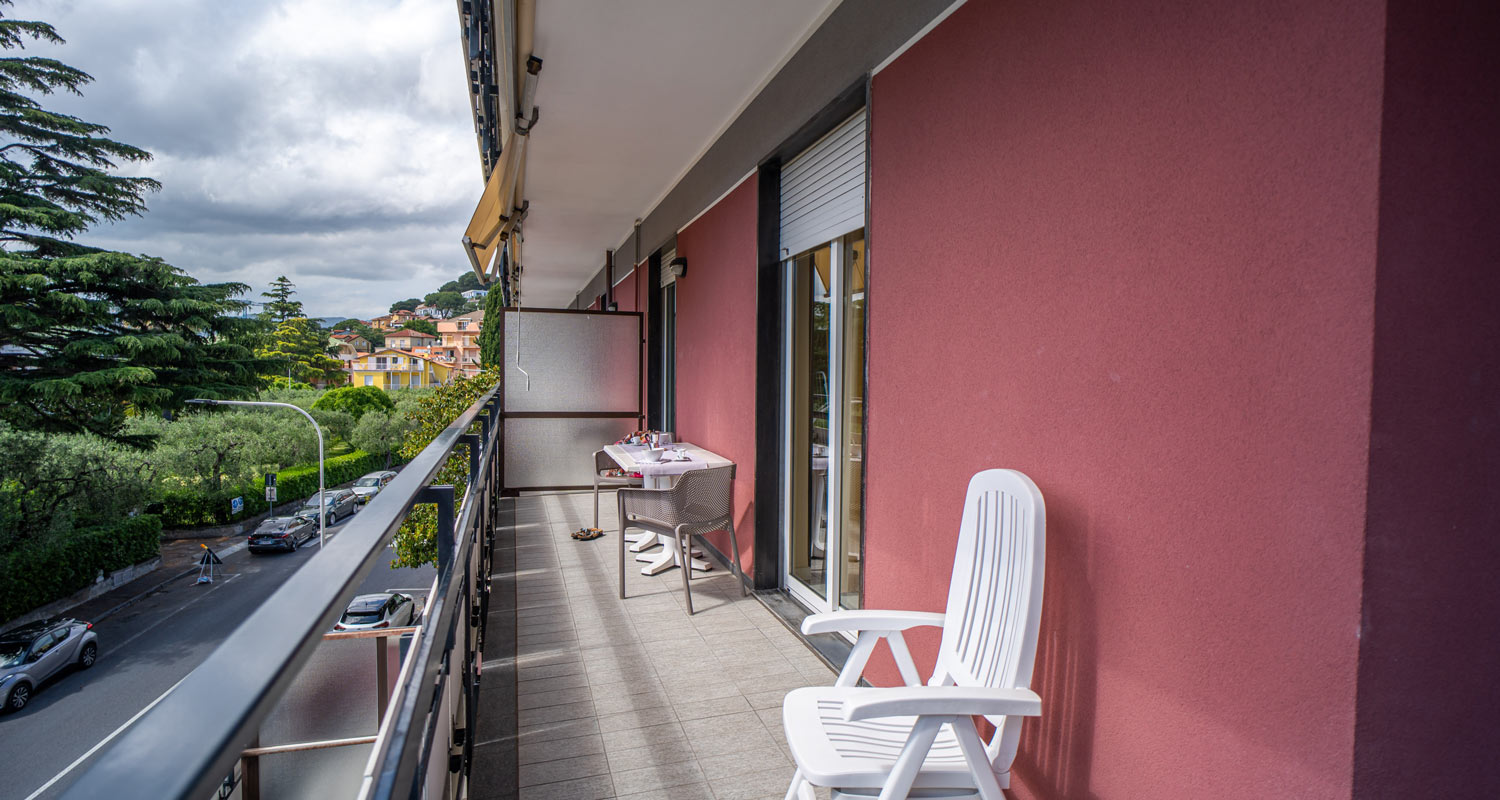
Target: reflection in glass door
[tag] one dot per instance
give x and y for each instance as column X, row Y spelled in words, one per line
column 824, row 408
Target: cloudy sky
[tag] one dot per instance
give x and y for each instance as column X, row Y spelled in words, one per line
column 327, row 140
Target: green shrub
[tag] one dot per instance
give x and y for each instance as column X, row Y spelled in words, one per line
column 197, row 509
column 355, row 400
column 35, row 575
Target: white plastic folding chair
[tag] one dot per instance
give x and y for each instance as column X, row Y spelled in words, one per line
column 920, row 740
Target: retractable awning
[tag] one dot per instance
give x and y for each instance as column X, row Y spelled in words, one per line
column 495, row 213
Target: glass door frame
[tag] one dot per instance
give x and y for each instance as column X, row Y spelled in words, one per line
column 833, row 496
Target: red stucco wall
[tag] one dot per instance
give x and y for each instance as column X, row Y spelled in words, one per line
column 716, row 347
column 1130, row 251
column 1429, row 653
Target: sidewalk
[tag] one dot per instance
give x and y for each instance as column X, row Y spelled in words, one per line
column 178, row 559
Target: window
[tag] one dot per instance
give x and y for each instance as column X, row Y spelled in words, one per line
column 463, row 324
column 396, row 380
column 380, row 362
column 369, row 380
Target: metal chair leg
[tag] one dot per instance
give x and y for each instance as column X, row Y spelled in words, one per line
column 621, row 536
column 596, row 501
column 739, row 572
column 685, row 546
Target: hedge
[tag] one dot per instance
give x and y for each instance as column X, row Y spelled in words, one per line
column 194, row 509
column 35, row 575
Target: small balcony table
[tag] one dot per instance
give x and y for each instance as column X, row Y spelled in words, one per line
column 660, row 475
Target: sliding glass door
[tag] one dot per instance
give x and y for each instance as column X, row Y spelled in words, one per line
column 823, row 408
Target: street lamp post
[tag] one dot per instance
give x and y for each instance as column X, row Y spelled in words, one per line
column 322, row 495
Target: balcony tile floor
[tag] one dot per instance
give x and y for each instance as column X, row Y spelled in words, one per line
column 633, row 699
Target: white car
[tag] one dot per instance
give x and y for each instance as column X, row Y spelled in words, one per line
column 383, row 610
column 370, row 485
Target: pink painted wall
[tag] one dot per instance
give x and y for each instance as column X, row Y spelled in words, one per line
column 716, row 347
column 1131, row 252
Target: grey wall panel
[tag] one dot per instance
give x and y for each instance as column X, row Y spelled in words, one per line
column 854, row 39
column 557, row 452
column 576, row 362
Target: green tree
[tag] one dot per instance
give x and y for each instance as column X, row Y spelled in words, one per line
column 491, row 331
column 416, row 541
column 409, row 304
column 381, row 433
column 426, row 326
column 55, row 483
column 355, row 401
column 226, row 448
column 86, row 335
column 448, row 303
column 282, row 307
column 373, row 336
column 85, row 339
column 450, row 286
column 468, row 280
column 338, row 424
column 54, row 178
column 300, row 346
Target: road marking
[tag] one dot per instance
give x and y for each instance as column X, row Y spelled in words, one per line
column 142, row 632
column 102, row 742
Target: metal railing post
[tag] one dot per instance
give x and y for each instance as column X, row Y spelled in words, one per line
column 443, row 497
column 382, row 678
column 250, row 774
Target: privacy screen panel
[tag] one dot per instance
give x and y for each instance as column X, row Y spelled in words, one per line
column 559, row 363
column 572, row 385
column 557, row 452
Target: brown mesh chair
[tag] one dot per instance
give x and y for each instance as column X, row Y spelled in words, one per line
column 602, row 464
column 701, row 501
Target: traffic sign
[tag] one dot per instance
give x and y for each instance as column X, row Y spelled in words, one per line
column 236, row 505
column 271, row 494
column 270, row 479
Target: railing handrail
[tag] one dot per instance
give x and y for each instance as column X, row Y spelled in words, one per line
column 183, row 747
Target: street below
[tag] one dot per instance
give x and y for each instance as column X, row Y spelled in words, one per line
column 148, row 647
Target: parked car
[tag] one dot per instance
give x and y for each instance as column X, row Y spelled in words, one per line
column 337, row 504
column 33, row 653
column 282, row 533
column 382, row 610
column 370, row 485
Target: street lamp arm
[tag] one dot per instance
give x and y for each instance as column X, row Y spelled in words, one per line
column 322, row 492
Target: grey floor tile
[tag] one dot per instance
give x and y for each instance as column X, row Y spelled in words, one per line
column 539, row 752
column 564, row 769
column 656, row 776
column 691, row 791
column 766, row 784
column 597, row 787
column 719, row 768
column 730, row 733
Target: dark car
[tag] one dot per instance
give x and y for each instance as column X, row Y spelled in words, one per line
column 337, row 504
column 282, row 533
column 33, row 653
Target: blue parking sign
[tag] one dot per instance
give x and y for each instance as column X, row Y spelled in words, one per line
column 236, row 505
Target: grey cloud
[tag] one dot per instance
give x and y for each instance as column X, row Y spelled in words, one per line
column 328, row 140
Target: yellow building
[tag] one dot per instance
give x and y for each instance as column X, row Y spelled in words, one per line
column 389, row 368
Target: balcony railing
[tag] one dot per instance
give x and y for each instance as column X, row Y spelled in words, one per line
column 186, row 744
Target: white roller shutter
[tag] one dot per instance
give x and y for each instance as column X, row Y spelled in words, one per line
column 823, row 189
column 667, row 278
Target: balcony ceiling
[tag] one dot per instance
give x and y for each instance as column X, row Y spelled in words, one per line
column 630, row 95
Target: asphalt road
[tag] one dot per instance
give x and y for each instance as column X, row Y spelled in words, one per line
column 145, row 649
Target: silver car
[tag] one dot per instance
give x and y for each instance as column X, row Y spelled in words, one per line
column 370, row 485
column 382, row 610
column 337, row 504
column 31, row 654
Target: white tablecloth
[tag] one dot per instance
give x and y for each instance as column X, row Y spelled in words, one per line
column 697, row 458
